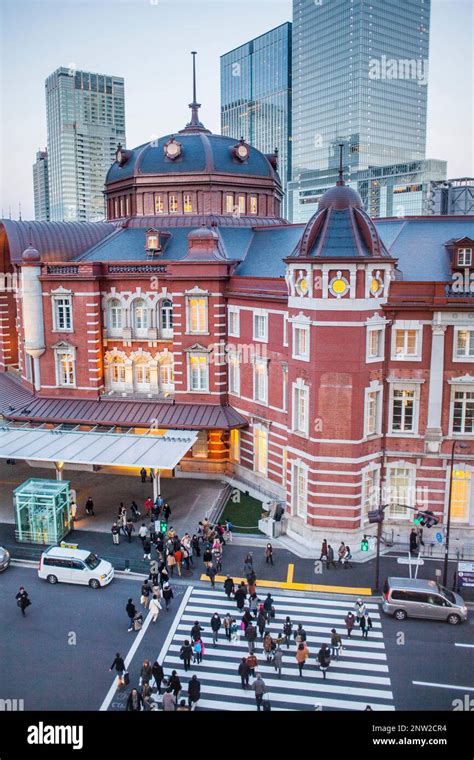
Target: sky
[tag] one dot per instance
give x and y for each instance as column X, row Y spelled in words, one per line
column 148, row 43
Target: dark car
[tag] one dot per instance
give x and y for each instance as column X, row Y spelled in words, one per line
column 5, row 559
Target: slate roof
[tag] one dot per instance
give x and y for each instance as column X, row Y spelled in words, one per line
column 56, row 241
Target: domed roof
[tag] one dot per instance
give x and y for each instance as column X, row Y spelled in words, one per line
column 201, row 152
column 31, row 256
column 340, row 197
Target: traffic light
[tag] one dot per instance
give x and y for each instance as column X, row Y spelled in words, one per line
column 426, row 519
column 364, row 545
column 375, row 516
column 163, row 526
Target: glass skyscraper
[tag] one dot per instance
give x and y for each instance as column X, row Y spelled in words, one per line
column 360, row 73
column 86, row 120
column 41, row 186
column 256, row 95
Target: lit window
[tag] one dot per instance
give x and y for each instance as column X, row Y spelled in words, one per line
column 142, row 376
column 260, row 445
column 463, row 412
column 65, row 367
column 121, row 206
column 229, row 203
column 188, row 204
column 115, row 316
column 198, row 375
column 465, row 344
column 200, row 448
column 159, row 204
column 464, row 257
column 62, row 309
column 117, row 372
column 300, row 342
column 260, row 385
column 173, row 204
column 253, row 204
column 152, row 241
column 166, row 374
column 300, row 409
column 460, row 494
column 403, row 407
column 127, row 205
column 241, row 204
column 234, row 374
column 260, row 326
column 197, row 315
column 234, row 445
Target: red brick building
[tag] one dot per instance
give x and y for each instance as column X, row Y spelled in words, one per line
column 327, row 365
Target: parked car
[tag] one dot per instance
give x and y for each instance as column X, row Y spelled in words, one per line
column 5, row 559
column 417, row 598
column 66, row 565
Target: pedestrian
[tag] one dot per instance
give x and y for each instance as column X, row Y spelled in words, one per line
column 90, row 507
column 195, row 546
column 212, row 572
column 261, row 620
column 252, row 662
column 178, row 559
column 227, row 622
column 228, row 531
column 73, row 510
column 158, row 675
column 166, row 511
column 251, row 637
column 350, row 622
column 185, row 654
column 234, row 632
column 146, row 673
column 119, row 666
column 207, row 557
column 260, row 689
column 115, row 530
column 300, row 634
column 240, row 597
column 130, row 528
column 330, row 558
column 254, row 602
column 324, row 660
column 167, row 595
column 134, row 510
column 269, row 608
column 287, row 630
column 152, row 531
column 170, row 563
column 143, row 475
column 413, row 541
column 143, row 532
column 199, row 650
column 151, row 475
column 134, row 701
column 341, row 553
column 248, row 566
column 302, row 654
column 164, row 575
column 246, row 619
column 269, row 554
column 182, row 707
column 175, row 685
column 365, row 624
column 278, row 660
column 215, row 625
column 196, row 631
column 23, row 600
column 122, row 519
column 131, row 611
column 147, row 548
column 252, row 587
column 194, row 692
column 324, row 550
column 359, row 609
column 268, row 645
column 155, row 608
column 336, row 643
column 229, row 586
column 168, row 700
column 148, row 505
column 346, row 558
column 145, row 594
column 244, row 673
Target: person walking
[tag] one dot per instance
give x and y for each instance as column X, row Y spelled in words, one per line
column 254, row 602
column 143, row 475
column 115, row 530
column 167, row 595
column 324, row 550
column 336, row 643
column 146, row 673
column 345, row 560
column 248, row 567
column 330, row 558
column 196, row 631
column 185, row 654
column 227, row 622
column 143, row 532
column 131, row 611
column 252, row 662
column 350, row 622
column 246, row 619
column 365, row 624
column 207, row 557
column 155, row 608
column 175, row 685
column 324, row 659
column 341, row 553
column 145, row 594
column 134, row 701
column 194, row 692
column 166, row 511
column 234, row 632
column 240, row 597
column 302, row 654
column 195, row 546
column 244, row 673
column 147, row 548
column 135, row 511
column 287, row 630
column 148, row 505
column 359, row 609
column 261, row 621
column 269, row 608
column 198, row 650
column 129, row 528
column 269, row 554
column 413, row 541
column 260, row 689
column 251, row 637
column 90, row 507
column 300, row 634
column 168, row 700
column 73, row 509
column 158, row 674
column 211, row 572
column 228, row 531
column 216, row 625
column 23, row 600
column 119, row 666
column 229, row 586
column 178, row 558
column 268, row 645
column 278, row 660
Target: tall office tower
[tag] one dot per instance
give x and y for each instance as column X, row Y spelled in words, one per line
column 256, row 96
column 86, row 120
column 40, row 186
column 360, row 74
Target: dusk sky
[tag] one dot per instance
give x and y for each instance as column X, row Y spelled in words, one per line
column 148, row 43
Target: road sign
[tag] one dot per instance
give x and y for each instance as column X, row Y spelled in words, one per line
column 466, row 574
column 406, row 561
column 439, row 538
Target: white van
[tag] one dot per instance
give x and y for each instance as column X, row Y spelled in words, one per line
column 66, row 565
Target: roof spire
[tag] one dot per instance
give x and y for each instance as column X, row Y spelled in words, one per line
column 340, row 181
column 194, row 124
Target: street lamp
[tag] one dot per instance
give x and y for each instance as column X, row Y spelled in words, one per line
column 448, row 520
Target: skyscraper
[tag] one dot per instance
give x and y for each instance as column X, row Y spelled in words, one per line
column 256, row 95
column 360, row 73
column 40, row 186
column 85, row 120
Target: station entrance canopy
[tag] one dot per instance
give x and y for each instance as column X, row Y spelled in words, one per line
column 155, row 449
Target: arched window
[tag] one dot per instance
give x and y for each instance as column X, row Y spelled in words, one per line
column 166, row 318
column 117, row 373
column 140, row 317
column 166, row 374
column 141, row 374
column 115, row 316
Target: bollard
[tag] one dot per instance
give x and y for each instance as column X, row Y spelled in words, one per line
column 127, row 566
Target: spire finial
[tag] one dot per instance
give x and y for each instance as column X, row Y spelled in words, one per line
column 340, row 181
column 194, row 106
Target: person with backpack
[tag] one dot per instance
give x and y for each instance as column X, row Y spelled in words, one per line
column 302, row 654
column 324, row 659
column 185, row 654
column 216, row 625
column 244, row 673
column 194, row 692
column 350, row 622
column 287, row 630
column 336, row 643
column 168, row 700
column 365, row 624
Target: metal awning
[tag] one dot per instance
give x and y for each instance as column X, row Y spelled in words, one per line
column 107, row 448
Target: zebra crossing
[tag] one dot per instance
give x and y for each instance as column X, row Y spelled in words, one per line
column 359, row 678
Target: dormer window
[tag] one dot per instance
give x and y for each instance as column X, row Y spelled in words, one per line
column 241, row 151
column 464, row 257
column 153, row 243
column 172, row 149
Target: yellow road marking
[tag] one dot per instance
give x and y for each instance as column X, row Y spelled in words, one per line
column 291, row 572
column 300, row 586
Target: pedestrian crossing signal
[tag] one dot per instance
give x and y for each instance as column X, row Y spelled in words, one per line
column 364, row 545
column 163, row 526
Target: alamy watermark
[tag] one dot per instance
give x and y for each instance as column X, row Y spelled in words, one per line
column 415, row 69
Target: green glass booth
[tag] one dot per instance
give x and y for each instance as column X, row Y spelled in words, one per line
column 42, row 511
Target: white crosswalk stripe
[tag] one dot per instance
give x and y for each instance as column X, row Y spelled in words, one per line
column 359, row 678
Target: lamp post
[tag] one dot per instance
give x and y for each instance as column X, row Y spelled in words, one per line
column 448, row 519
